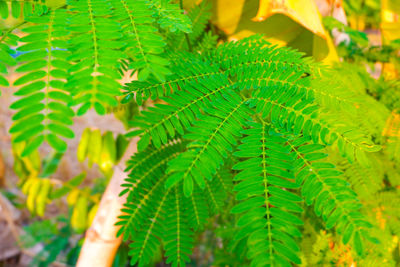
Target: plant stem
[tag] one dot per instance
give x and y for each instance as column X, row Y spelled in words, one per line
column 186, row 35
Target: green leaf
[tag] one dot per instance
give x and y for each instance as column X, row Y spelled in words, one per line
column 347, row 233
column 358, row 245
column 33, row 145
column 56, row 143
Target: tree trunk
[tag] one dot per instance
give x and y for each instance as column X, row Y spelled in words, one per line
column 101, row 244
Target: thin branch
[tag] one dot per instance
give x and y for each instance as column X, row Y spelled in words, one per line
column 186, row 35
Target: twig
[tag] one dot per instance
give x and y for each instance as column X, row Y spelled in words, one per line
column 186, row 35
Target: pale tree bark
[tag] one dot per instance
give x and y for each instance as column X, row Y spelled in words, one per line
column 101, row 243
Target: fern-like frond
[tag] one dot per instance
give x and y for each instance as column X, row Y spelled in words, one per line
column 199, row 16
column 217, row 190
column 146, row 241
column 296, row 111
column 178, row 238
column 180, row 113
column 96, row 48
column 366, row 181
column 207, row 42
column 332, row 197
column 266, row 198
column 213, row 136
column 7, row 39
column 269, row 71
column 145, row 181
column 196, row 205
column 184, row 73
column 153, row 213
column 170, row 16
column 43, row 107
column 144, row 45
column 235, row 57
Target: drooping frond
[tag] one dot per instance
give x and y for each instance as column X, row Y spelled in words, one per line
column 199, row 16
column 180, row 113
column 144, row 45
column 293, row 109
column 281, row 75
column 7, row 39
column 96, row 48
column 365, row 181
column 184, row 73
column 146, row 241
column 202, row 204
column 170, row 16
column 267, row 200
column 213, row 136
column 178, row 238
column 44, row 102
column 283, row 81
column 145, row 181
column 332, row 197
column 196, row 204
column 217, row 190
column 152, row 212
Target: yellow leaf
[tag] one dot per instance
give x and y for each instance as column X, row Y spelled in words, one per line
column 390, row 28
column 295, row 23
column 390, row 21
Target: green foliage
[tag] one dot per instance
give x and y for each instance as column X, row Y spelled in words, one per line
column 210, row 101
column 170, row 16
column 7, row 39
column 18, row 8
column 265, row 199
column 277, row 154
column 50, row 120
column 96, row 51
column 76, row 55
column 144, row 45
column 54, row 234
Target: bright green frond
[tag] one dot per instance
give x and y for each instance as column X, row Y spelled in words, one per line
column 365, row 181
column 43, row 107
column 178, row 238
column 267, row 198
column 96, row 49
column 213, row 136
column 183, row 107
column 197, row 206
column 145, row 181
column 7, row 39
column 332, row 197
column 292, row 109
column 218, row 189
column 146, row 241
column 143, row 44
column 199, row 16
column 185, row 74
column 170, row 16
